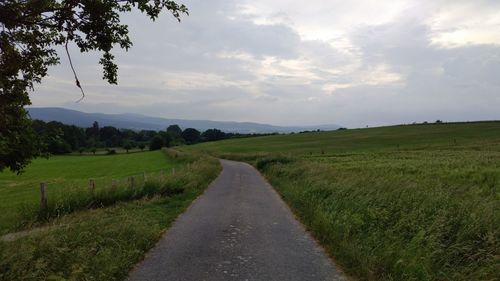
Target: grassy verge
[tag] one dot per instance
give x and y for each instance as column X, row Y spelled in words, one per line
column 421, row 215
column 104, row 243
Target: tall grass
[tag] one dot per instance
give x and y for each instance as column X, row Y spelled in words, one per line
column 399, row 216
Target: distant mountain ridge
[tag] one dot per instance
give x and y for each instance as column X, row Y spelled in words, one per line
column 142, row 122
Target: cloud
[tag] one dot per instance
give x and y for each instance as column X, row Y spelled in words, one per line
column 462, row 23
column 354, row 63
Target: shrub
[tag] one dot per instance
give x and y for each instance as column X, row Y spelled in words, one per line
column 156, row 143
column 263, row 163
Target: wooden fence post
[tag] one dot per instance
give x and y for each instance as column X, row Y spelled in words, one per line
column 92, row 186
column 113, row 184
column 145, row 177
column 162, row 174
column 131, row 182
column 173, row 171
column 43, row 195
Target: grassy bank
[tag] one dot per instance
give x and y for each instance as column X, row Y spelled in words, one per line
column 426, row 210
column 104, row 243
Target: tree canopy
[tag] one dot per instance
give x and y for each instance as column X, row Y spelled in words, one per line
column 29, row 33
column 213, row 135
column 191, row 136
column 174, row 131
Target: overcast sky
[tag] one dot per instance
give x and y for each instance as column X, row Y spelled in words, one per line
column 354, row 63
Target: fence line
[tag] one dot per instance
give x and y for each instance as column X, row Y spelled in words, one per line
column 131, row 182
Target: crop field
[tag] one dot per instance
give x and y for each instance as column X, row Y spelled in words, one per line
column 475, row 136
column 68, row 174
column 418, row 202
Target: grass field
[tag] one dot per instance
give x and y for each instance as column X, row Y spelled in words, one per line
column 472, row 136
column 104, row 243
column 66, row 174
column 395, row 203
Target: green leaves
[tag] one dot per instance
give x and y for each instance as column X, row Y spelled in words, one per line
column 29, row 32
column 110, row 68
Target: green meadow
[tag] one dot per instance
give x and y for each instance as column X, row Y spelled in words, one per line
column 67, row 174
column 415, row 202
column 100, row 235
column 476, row 136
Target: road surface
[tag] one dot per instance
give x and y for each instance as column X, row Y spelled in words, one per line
column 239, row 229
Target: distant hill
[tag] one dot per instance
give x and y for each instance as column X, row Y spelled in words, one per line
column 142, row 122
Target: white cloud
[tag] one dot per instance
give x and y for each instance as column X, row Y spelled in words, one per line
column 360, row 62
column 324, row 20
column 460, row 23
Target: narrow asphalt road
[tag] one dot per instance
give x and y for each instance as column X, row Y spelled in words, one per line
column 239, row 229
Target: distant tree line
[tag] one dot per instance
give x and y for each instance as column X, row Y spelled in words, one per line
column 58, row 138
